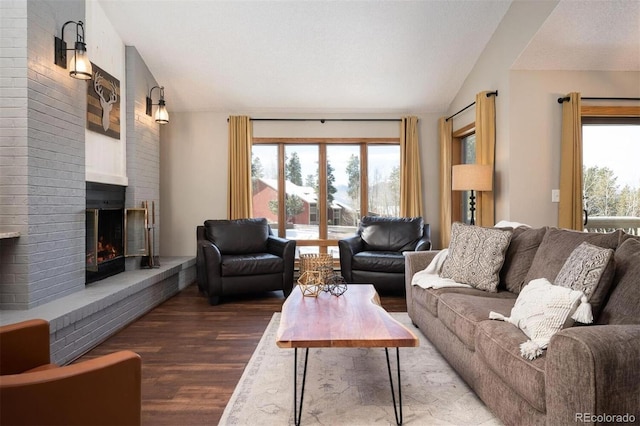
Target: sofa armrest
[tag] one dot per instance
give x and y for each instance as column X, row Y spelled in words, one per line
column 593, row 370
column 103, row 390
column 415, row 261
column 349, row 247
column 23, row 346
column 286, row 249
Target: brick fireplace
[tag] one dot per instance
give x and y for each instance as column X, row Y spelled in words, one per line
column 49, row 159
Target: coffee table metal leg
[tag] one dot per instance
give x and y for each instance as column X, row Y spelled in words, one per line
column 297, row 412
column 397, row 409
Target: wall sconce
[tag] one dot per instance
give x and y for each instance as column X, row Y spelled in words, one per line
column 162, row 115
column 79, row 66
column 472, row 177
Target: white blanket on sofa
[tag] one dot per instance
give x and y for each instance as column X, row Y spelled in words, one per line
column 430, row 276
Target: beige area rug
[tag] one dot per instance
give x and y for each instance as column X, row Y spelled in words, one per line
column 351, row 387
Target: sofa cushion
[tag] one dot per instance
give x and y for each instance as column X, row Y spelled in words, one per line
column 589, row 269
column 498, row 345
column 623, row 306
column 428, row 298
column 558, row 244
column 378, row 261
column 476, row 255
column 519, row 257
column 461, row 313
column 251, row 264
column 390, row 234
column 240, row 236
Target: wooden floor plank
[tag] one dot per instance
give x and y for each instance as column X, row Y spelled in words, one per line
column 193, row 354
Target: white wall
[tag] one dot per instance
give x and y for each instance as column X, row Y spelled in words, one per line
column 491, row 72
column 106, row 156
column 535, row 131
column 193, row 165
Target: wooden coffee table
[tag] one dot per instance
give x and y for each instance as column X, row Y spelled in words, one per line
column 353, row 320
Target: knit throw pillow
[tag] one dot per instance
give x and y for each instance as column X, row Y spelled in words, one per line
column 584, row 271
column 476, row 255
column 541, row 310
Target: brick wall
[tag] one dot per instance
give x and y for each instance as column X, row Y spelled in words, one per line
column 143, row 141
column 13, row 148
column 47, row 261
column 42, row 154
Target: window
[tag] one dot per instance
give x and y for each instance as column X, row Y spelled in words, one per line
column 611, row 178
column 325, row 186
column 463, row 152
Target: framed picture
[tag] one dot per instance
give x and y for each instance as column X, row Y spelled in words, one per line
column 103, row 103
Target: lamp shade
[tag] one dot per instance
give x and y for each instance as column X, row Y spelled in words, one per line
column 162, row 115
column 80, row 66
column 476, row 177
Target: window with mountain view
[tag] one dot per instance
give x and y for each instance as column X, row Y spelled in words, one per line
column 325, row 186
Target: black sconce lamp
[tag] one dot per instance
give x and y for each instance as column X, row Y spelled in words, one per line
column 79, row 66
column 162, row 116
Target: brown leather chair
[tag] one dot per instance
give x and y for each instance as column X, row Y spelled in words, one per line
column 242, row 256
column 374, row 254
column 33, row 391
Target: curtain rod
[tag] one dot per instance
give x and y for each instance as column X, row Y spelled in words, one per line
column 322, row 120
column 469, row 106
column 566, row 98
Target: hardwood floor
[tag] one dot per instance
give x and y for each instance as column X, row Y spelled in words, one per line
column 193, row 354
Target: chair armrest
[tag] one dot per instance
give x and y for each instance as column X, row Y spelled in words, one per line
column 424, row 243
column 23, row 346
column 593, row 370
column 286, row 249
column 349, row 247
column 104, row 390
column 212, row 268
column 415, row 261
column 280, row 246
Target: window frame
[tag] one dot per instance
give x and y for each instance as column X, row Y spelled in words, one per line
column 321, row 205
column 456, row 158
column 606, row 115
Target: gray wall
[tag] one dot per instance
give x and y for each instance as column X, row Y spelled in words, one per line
column 143, row 139
column 48, row 197
column 42, row 147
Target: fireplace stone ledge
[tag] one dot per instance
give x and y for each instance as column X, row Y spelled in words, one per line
column 84, row 319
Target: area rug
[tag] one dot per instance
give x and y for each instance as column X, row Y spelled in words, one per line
column 350, row 386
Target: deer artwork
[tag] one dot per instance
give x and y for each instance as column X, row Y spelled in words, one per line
column 106, row 105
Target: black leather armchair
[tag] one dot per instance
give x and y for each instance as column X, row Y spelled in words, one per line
column 242, row 256
column 374, row 254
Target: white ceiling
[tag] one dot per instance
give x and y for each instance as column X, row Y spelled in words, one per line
column 348, row 56
column 587, row 35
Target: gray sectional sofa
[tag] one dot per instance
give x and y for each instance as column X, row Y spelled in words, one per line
column 589, row 373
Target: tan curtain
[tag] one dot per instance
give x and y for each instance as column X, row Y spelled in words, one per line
column 445, row 131
column 239, row 189
column 570, row 206
column 410, row 173
column 485, row 153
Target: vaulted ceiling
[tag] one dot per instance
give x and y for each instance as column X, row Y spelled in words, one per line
column 352, row 56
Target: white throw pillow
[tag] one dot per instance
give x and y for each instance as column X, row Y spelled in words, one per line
column 541, row 310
